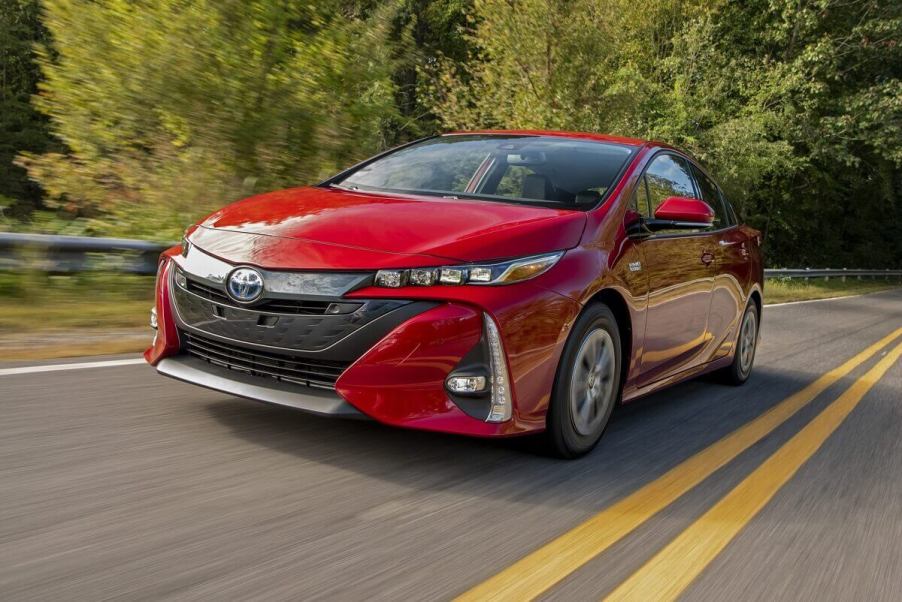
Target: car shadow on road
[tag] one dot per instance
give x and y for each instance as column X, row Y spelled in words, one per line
column 644, row 439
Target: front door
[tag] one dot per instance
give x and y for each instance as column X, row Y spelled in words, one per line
column 680, row 268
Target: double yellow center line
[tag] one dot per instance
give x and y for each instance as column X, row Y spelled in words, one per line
column 537, row 572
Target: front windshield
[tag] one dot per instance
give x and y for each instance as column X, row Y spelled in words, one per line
column 544, row 170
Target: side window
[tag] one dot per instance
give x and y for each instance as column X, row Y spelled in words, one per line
column 512, row 181
column 731, row 211
column 668, row 175
column 711, row 195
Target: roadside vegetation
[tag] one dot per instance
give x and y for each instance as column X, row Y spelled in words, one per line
column 36, row 301
column 783, row 291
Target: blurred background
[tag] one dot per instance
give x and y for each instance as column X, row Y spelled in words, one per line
column 132, row 119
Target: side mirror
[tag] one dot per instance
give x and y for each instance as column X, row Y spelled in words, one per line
column 677, row 212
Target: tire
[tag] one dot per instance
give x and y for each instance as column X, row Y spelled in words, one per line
column 585, row 390
column 746, row 345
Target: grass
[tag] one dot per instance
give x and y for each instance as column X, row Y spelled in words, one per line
column 35, row 302
column 50, row 316
column 782, row 291
column 44, row 316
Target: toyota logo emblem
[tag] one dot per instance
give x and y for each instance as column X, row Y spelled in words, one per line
column 245, row 285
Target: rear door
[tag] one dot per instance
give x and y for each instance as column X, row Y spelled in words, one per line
column 680, row 267
column 732, row 260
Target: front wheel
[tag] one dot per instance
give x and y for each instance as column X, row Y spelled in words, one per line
column 746, row 344
column 587, row 385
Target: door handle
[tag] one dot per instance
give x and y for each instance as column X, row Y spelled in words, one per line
column 707, row 257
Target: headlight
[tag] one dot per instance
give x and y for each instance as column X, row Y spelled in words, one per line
column 186, row 242
column 506, row 272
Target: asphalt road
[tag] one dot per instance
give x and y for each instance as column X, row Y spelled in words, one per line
column 118, row 483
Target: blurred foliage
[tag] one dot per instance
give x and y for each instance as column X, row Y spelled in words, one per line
column 26, row 287
column 100, row 300
column 169, row 108
column 22, row 128
column 166, row 109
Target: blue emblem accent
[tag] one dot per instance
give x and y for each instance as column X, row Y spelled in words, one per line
column 245, row 285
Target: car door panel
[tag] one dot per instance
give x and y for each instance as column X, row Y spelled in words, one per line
column 732, row 273
column 681, row 271
column 680, row 268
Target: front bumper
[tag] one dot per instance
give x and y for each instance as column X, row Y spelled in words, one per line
column 199, row 372
column 393, row 355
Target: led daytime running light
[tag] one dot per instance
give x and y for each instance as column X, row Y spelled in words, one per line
column 506, row 272
column 502, row 406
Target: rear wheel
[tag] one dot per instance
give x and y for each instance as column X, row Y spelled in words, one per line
column 587, row 385
column 746, row 344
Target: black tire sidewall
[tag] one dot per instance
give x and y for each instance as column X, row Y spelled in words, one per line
column 736, row 374
column 562, row 436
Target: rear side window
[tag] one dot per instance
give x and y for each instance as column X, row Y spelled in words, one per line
column 668, row 175
column 711, row 195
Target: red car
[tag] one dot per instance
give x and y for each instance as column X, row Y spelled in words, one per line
column 488, row 283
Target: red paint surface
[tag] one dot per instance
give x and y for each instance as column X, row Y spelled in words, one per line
column 681, row 209
column 328, row 228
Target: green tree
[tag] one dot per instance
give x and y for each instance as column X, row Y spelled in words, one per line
column 21, row 127
column 169, row 108
column 426, row 32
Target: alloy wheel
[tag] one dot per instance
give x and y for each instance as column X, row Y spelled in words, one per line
column 747, row 340
column 592, row 382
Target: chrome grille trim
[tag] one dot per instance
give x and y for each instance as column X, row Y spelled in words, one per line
column 276, row 306
column 277, row 284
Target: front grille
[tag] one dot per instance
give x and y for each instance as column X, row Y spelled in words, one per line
column 279, row 366
column 280, row 306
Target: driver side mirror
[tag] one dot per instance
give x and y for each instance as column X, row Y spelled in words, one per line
column 674, row 213
column 685, row 212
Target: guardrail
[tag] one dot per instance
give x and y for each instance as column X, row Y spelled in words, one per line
column 826, row 274
column 68, row 254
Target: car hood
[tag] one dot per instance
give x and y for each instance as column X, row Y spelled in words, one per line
column 329, row 228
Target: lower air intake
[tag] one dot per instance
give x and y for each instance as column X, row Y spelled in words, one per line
column 285, row 367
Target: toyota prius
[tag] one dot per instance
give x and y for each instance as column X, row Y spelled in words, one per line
column 493, row 283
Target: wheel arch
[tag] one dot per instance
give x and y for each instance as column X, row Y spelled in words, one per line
column 755, row 296
column 617, row 304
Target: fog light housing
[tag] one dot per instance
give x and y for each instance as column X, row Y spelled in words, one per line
column 502, row 404
column 153, row 318
column 180, row 279
column 466, row 384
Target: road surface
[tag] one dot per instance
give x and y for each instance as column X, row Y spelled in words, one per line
column 118, row 483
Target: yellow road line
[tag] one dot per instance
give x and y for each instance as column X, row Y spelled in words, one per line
column 671, row 571
column 538, row 571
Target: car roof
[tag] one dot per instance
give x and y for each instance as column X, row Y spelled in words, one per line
column 562, row 134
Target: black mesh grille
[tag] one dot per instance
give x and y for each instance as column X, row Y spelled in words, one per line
column 280, row 306
column 279, row 366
